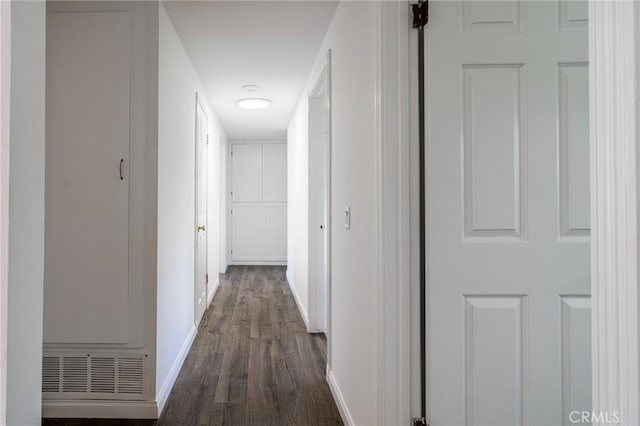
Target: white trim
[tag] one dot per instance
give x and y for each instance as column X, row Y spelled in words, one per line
column 296, row 297
column 212, row 293
column 100, row 409
column 614, row 136
column 258, row 263
column 347, row 419
column 165, row 390
column 5, row 108
column 393, row 213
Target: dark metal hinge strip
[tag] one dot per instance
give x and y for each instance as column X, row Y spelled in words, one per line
column 420, row 14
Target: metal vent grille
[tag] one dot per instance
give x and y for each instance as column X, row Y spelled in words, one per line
column 94, row 375
column 103, row 375
column 130, row 376
column 75, row 371
column 51, row 374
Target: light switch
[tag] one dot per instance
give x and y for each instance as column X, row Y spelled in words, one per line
column 347, row 217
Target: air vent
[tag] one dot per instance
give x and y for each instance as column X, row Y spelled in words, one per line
column 130, row 376
column 103, row 375
column 51, row 374
column 86, row 375
column 74, row 374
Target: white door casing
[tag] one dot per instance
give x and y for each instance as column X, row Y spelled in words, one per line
column 5, row 96
column 201, row 211
column 508, row 213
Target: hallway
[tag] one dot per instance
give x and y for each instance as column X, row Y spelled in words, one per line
column 253, row 361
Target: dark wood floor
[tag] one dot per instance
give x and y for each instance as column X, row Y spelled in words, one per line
column 252, row 362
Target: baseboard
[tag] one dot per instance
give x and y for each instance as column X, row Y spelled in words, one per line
column 165, row 390
column 212, row 293
column 258, row 263
column 99, row 409
column 339, row 399
column 296, row 297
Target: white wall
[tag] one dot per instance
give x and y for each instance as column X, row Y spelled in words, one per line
column 26, row 211
column 354, row 312
column 298, row 204
column 178, row 84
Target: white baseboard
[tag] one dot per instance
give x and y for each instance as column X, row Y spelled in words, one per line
column 165, row 390
column 212, row 293
column 296, row 297
column 78, row 409
column 258, row 263
column 339, row 399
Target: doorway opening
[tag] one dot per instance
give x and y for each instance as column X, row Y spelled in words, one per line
column 201, row 273
column 319, row 200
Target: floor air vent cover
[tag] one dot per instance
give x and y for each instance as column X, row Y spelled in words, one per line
column 92, row 376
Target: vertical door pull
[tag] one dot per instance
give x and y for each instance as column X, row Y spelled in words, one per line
column 121, row 162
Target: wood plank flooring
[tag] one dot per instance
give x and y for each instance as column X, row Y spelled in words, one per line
column 252, row 362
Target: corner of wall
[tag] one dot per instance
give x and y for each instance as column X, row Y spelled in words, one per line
column 296, row 297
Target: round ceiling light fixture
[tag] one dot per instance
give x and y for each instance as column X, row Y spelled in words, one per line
column 250, row 88
column 254, row 103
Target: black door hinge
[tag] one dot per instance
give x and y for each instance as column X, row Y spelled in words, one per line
column 419, row 421
column 420, row 14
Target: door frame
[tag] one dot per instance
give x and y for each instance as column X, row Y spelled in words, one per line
column 199, row 104
column 5, row 97
column 319, row 301
column 614, row 70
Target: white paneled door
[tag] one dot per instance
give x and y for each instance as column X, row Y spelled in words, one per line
column 508, row 225
column 201, row 212
column 259, row 202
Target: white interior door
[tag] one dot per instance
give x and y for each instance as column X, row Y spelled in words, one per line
column 201, row 212
column 508, row 224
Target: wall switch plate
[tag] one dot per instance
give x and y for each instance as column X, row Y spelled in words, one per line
column 347, row 217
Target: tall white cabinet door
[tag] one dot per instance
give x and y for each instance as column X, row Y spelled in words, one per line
column 274, row 160
column 87, row 185
column 275, row 232
column 246, row 167
column 508, row 224
column 248, row 232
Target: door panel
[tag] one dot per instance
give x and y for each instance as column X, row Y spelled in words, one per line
column 247, row 172
column 508, row 225
column 248, row 232
column 86, row 285
column 274, row 172
column 275, row 232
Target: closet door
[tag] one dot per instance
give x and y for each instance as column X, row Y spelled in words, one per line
column 259, row 203
column 274, row 196
column 87, row 186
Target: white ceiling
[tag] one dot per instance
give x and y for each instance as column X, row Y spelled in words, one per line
column 267, row 43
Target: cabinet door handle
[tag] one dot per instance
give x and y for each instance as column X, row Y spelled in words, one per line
column 121, row 163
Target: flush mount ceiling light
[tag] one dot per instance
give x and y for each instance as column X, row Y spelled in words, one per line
column 250, row 88
column 254, row 103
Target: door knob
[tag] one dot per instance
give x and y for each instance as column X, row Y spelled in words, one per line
column 201, row 228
